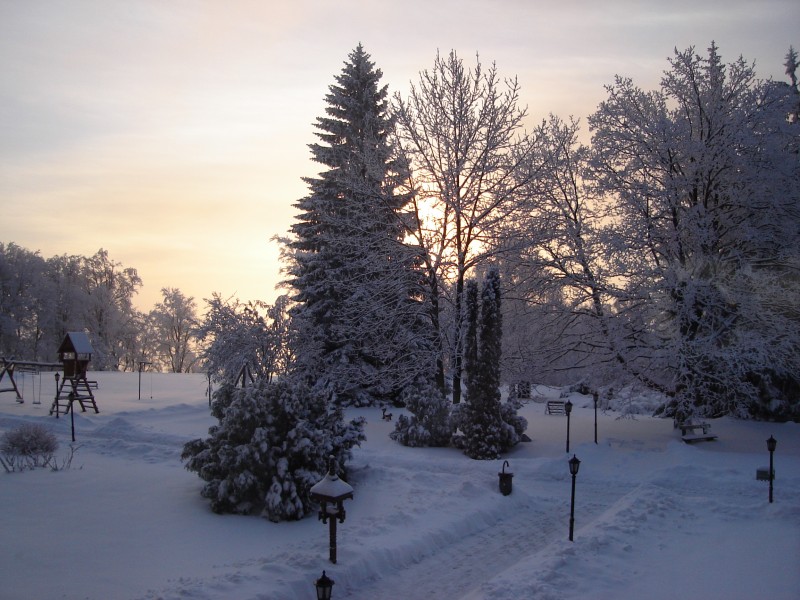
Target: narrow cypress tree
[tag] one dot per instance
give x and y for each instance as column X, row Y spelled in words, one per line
column 491, row 340
column 488, row 427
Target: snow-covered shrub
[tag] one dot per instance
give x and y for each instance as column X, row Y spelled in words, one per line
column 513, row 424
column 223, row 396
column 486, row 434
column 429, row 423
column 271, row 445
column 27, row 446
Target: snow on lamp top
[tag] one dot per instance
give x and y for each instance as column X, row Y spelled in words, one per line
column 330, row 488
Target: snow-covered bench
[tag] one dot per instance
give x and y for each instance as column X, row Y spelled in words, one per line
column 555, row 407
column 688, row 434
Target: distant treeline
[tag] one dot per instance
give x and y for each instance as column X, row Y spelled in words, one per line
column 41, row 299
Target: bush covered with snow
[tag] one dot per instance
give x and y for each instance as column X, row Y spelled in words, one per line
column 271, row 445
column 429, row 423
column 486, row 434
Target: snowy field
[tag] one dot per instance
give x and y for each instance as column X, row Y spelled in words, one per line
column 654, row 518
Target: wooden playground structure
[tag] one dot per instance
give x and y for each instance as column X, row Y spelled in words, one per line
column 9, row 368
column 75, row 353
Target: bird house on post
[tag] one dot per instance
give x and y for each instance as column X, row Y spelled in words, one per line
column 331, row 492
column 75, row 353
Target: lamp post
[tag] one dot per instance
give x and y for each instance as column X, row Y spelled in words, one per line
column 331, row 492
column 324, row 587
column 574, row 465
column 594, row 397
column 771, row 445
column 71, row 410
column 568, row 410
column 57, row 376
column 142, row 364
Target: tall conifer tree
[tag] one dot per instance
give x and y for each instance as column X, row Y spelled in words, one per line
column 357, row 299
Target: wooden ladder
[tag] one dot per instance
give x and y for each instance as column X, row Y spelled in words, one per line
column 79, row 391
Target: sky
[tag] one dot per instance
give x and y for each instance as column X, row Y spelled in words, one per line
column 175, row 134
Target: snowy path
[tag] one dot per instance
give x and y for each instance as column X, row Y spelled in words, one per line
column 453, row 569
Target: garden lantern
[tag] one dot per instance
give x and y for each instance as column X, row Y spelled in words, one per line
column 331, row 492
column 574, row 465
column 568, row 411
column 505, row 479
column 324, row 587
column 772, row 443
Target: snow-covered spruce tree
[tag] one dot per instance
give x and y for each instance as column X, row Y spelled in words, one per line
column 487, row 426
column 357, row 287
column 271, row 445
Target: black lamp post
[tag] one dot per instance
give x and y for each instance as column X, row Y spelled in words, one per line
column 594, row 397
column 771, row 445
column 142, row 364
column 568, row 410
column 331, row 492
column 324, row 587
column 574, row 465
column 71, row 410
column 57, row 376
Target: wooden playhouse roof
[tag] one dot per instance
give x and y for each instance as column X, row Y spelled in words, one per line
column 77, row 342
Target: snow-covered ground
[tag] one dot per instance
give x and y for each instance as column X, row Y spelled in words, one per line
column 654, row 518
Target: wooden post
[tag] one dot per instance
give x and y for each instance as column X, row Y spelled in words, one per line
column 333, row 539
column 72, row 414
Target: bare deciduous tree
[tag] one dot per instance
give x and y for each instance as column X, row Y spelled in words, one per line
column 461, row 131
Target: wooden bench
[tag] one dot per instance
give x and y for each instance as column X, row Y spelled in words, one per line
column 698, row 437
column 689, row 436
column 555, row 407
column 762, row 474
column 691, row 427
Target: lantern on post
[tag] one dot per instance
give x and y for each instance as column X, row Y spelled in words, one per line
column 324, row 586
column 331, row 492
column 574, row 465
column 568, row 411
column 772, row 443
column 505, row 479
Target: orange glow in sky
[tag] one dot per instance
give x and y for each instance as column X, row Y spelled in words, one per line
column 174, row 134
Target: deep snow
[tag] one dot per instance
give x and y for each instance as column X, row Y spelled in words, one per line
column 655, row 518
